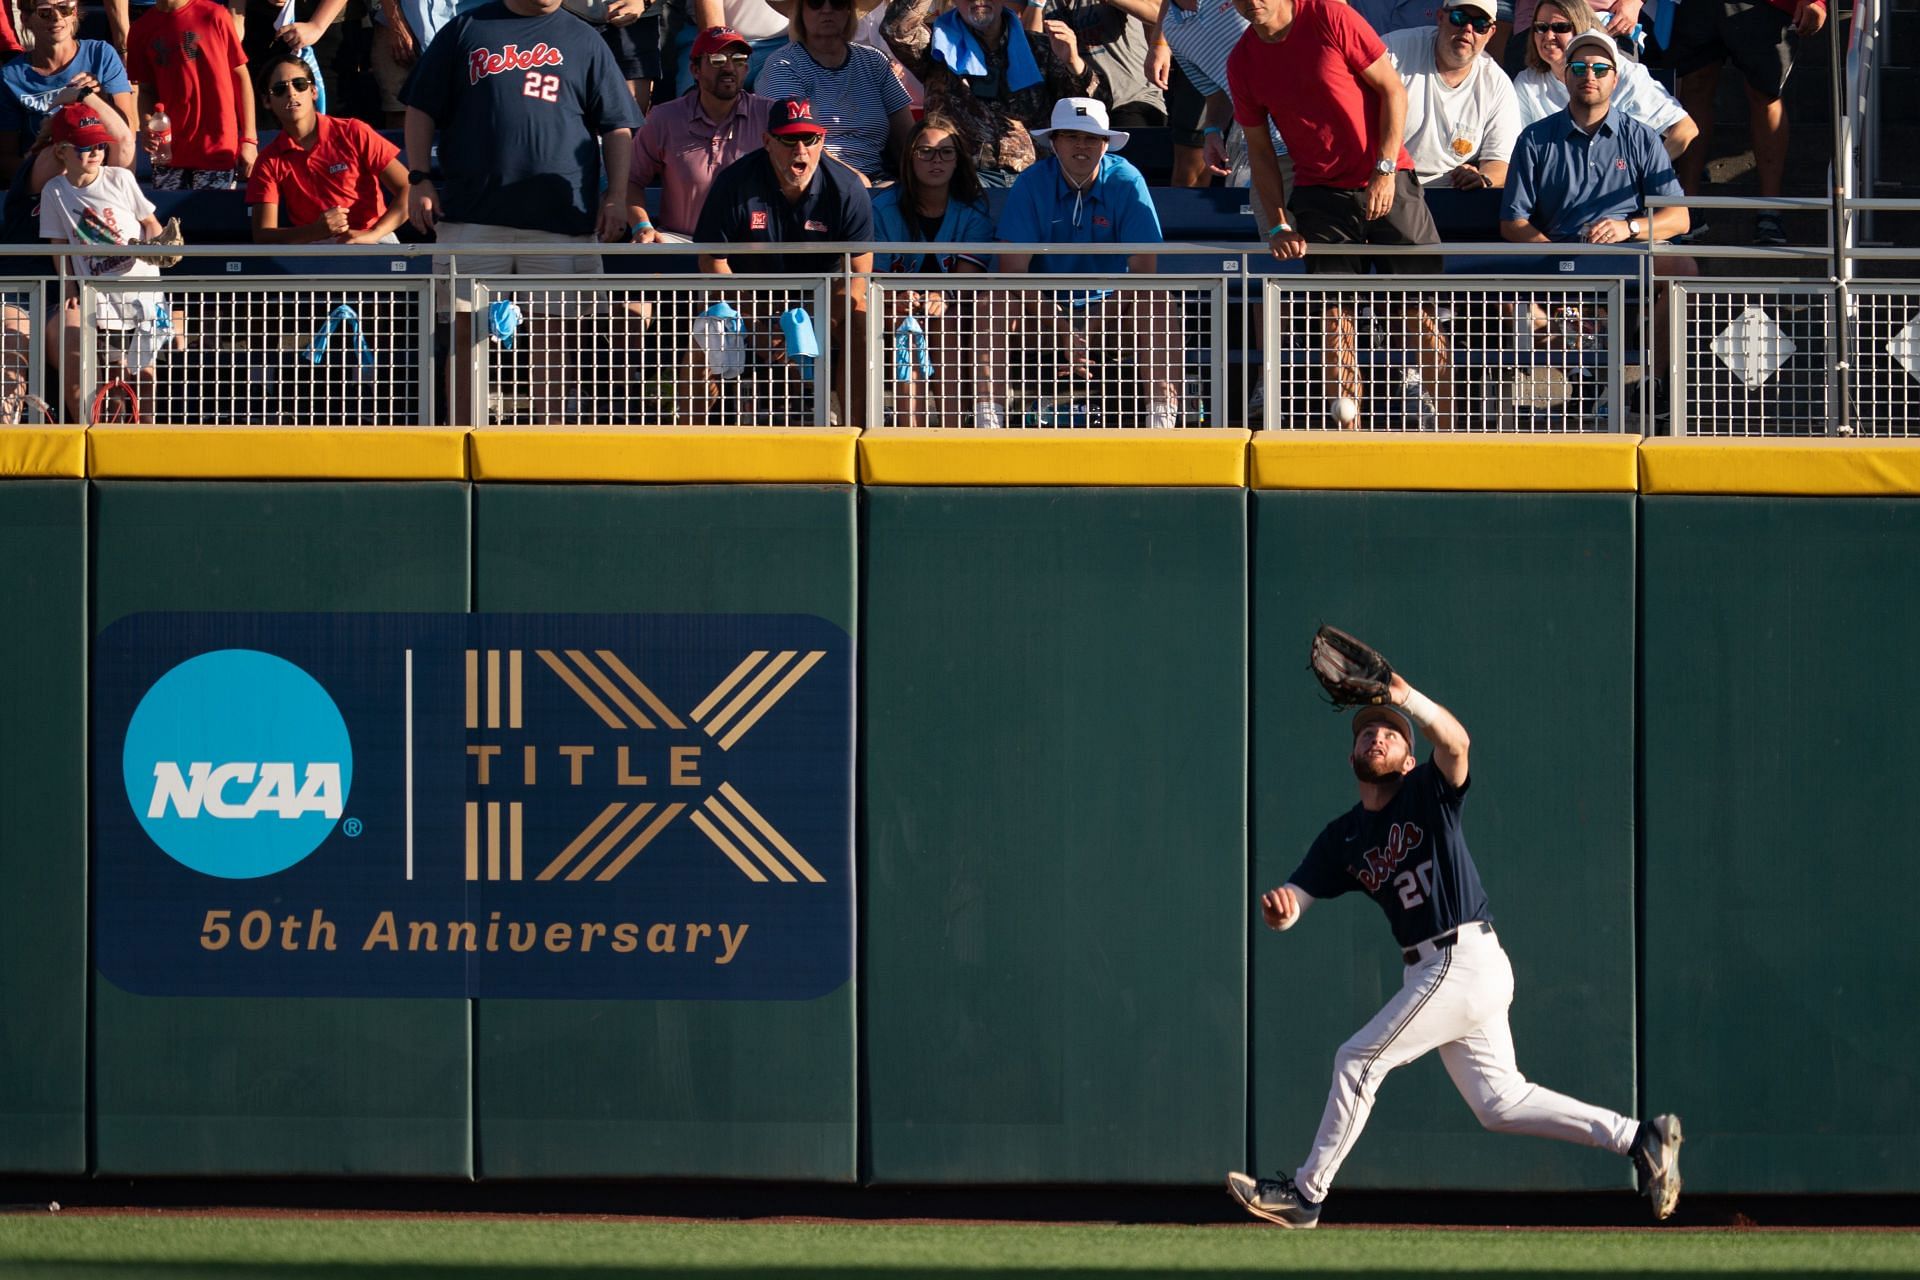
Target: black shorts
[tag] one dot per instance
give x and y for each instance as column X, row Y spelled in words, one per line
column 1186, row 109
column 1335, row 215
column 636, row 47
column 1756, row 37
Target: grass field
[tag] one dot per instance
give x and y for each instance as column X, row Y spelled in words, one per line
column 176, row 1245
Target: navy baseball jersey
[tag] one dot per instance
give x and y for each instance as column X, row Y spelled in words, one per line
column 1411, row 858
column 520, row 104
column 745, row 206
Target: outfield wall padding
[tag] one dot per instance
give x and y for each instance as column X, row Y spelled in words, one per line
column 667, row 1088
column 1054, row 718
column 1780, row 974
column 1516, row 612
column 1086, row 740
column 279, row 1086
column 43, row 826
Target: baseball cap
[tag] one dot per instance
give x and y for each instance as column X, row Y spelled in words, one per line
column 1483, row 7
column 1392, row 717
column 793, row 117
column 1594, row 35
column 80, row 125
column 1083, row 115
column 714, row 39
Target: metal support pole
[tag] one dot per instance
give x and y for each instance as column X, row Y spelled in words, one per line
column 1840, row 402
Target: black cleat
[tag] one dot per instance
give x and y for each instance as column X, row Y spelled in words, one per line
column 1275, row 1199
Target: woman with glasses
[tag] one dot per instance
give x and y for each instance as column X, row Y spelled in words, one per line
column 1542, row 86
column 938, row 200
column 321, row 180
column 853, row 89
column 61, row 70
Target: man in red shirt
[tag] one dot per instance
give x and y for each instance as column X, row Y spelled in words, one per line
column 1325, row 80
column 1318, row 71
column 186, row 54
column 321, row 179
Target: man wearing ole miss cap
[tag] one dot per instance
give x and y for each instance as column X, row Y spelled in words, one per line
column 686, row 142
column 791, row 192
column 1462, row 114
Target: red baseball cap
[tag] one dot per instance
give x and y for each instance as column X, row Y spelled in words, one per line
column 714, row 39
column 80, row 124
column 792, row 117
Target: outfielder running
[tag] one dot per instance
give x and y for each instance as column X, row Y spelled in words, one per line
column 1403, row 846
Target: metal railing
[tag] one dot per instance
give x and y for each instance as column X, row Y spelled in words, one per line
column 737, row 350
column 1046, row 351
column 1533, row 338
column 1441, row 354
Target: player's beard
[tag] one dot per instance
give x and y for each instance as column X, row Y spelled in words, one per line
column 1374, row 770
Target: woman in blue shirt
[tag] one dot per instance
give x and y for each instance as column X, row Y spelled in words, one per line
column 937, row 201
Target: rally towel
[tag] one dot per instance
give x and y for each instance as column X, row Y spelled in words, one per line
column 955, row 44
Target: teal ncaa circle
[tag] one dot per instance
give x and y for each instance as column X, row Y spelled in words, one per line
column 237, row 763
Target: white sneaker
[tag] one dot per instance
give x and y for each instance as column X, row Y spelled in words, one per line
column 988, row 416
column 1163, row 414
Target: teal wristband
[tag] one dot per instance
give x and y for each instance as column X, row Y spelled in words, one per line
column 1278, row 227
column 1212, row 128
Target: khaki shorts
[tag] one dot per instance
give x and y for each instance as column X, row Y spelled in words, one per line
column 454, row 234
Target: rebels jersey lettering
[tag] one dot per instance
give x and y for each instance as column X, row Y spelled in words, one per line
column 520, row 104
column 1411, row 858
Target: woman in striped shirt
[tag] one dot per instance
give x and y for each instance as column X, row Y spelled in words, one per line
column 852, row 87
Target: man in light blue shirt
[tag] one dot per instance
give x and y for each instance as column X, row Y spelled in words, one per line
column 1084, row 195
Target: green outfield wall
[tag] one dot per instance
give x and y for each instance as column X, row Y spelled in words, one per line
column 1086, row 739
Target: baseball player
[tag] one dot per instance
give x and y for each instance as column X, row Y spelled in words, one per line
column 1403, row 846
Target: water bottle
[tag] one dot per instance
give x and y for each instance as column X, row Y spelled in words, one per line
column 160, row 134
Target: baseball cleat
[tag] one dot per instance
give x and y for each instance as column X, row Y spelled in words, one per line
column 1277, row 1200
column 1656, row 1157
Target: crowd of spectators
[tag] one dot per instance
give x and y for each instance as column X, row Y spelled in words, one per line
column 551, row 124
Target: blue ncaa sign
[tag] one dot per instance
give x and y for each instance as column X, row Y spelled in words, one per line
column 237, row 763
column 531, row 806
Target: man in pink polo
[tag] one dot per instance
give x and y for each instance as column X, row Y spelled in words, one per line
column 685, row 142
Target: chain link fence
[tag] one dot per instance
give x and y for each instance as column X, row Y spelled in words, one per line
column 701, row 351
column 1751, row 358
column 1046, row 351
column 1408, row 354
column 349, row 352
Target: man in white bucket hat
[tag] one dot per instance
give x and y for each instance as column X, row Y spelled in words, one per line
column 1083, row 194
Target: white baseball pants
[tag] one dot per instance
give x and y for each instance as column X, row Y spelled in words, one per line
column 1454, row 1000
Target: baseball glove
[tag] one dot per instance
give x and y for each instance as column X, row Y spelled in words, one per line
column 1353, row 673
column 169, row 235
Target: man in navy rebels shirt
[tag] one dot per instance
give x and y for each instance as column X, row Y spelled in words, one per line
column 791, row 192
column 529, row 103
column 1403, row 846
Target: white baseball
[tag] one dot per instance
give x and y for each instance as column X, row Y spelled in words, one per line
column 1345, row 410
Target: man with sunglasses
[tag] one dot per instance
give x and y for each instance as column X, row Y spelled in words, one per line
column 1462, row 115
column 791, row 192
column 685, row 143
column 1586, row 173
column 321, row 180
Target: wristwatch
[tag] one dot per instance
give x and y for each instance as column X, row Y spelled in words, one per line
column 1633, row 227
column 1384, row 168
column 417, row 176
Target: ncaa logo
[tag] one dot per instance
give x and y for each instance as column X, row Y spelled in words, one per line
column 237, row 763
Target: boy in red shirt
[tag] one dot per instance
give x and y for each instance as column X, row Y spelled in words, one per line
column 186, row 54
column 321, row 179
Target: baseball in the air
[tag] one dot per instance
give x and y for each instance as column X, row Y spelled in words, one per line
column 1345, row 410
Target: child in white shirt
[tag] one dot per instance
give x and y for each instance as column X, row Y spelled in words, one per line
column 92, row 203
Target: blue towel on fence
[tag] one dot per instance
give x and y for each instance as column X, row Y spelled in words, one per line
column 955, row 44
column 341, row 315
column 910, row 352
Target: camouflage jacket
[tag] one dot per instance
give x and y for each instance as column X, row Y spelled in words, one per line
column 996, row 126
